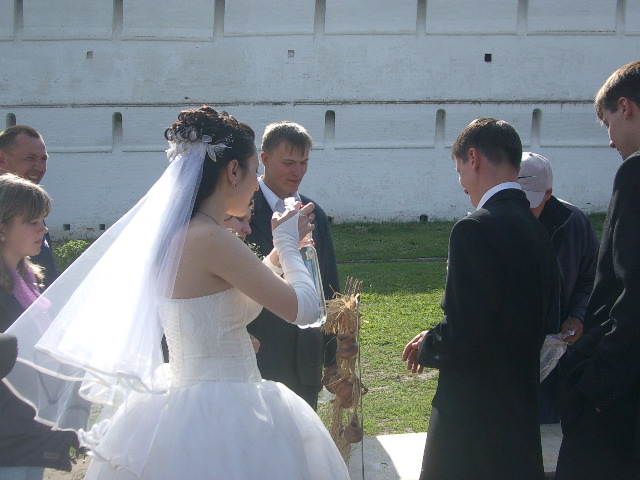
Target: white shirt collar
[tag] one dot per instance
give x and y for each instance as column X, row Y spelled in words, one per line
column 271, row 198
column 492, row 191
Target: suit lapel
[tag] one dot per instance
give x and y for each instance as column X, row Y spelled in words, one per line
column 261, row 221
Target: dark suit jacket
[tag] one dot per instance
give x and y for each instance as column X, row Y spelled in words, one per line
column 576, row 246
column 287, row 353
column 501, row 290
column 608, row 376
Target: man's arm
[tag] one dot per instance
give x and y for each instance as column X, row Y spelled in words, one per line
column 587, row 246
column 586, row 274
column 472, row 294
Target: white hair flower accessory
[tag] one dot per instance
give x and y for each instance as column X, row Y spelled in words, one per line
column 180, row 142
column 213, row 149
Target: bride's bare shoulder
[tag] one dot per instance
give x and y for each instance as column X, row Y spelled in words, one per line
column 205, row 234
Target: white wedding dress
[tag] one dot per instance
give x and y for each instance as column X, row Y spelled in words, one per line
column 218, row 419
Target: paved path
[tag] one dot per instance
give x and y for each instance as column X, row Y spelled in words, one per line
column 399, row 457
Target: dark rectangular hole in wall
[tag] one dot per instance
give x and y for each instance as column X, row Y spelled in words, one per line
column 66, row 226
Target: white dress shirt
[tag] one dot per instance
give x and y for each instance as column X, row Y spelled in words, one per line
column 492, row 191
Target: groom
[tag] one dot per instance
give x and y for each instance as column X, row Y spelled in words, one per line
column 502, row 283
column 289, row 354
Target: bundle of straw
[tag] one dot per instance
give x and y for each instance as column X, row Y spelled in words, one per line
column 343, row 320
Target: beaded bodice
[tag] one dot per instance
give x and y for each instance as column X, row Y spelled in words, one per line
column 208, row 339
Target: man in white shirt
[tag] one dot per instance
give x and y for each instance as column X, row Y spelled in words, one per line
column 288, row 354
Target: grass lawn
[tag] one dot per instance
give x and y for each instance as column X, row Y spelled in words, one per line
column 402, row 267
column 398, row 301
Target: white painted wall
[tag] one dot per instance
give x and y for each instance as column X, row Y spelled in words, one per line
column 383, row 87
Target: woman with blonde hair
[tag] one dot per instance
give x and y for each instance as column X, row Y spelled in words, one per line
column 26, row 446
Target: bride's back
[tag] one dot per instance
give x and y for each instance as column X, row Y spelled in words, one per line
column 201, row 247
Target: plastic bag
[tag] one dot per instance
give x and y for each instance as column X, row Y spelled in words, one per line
column 552, row 349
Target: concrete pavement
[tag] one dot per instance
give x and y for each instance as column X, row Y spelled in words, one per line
column 399, row 457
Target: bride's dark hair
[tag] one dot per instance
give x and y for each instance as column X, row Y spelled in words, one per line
column 238, row 137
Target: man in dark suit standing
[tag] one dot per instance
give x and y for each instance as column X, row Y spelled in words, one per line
column 600, row 413
column 23, row 153
column 289, row 354
column 501, row 288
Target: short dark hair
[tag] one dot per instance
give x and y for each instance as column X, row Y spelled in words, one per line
column 496, row 139
column 291, row 133
column 624, row 82
column 8, row 135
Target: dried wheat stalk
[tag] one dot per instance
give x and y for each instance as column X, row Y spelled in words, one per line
column 343, row 317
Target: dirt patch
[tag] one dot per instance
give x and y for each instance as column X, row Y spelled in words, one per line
column 77, row 472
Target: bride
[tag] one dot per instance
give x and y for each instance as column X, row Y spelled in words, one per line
column 170, row 266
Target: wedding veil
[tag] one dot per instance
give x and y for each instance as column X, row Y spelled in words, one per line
column 94, row 335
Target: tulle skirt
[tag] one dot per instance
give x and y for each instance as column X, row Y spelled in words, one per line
column 215, row 430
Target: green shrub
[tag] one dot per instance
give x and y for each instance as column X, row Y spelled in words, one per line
column 66, row 252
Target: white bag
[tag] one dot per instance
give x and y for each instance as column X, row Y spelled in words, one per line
column 552, row 349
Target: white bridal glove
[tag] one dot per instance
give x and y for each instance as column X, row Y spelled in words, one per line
column 285, row 240
column 274, row 268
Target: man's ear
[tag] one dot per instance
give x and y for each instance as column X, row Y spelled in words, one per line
column 628, row 107
column 474, row 157
column 547, row 194
column 265, row 158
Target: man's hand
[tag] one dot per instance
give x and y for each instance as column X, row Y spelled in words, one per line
column 571, row 323
column 410, row 354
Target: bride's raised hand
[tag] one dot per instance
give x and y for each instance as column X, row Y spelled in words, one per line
column 305, row 221
column 303, row 306
column 305, row 218
column 278, row 218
